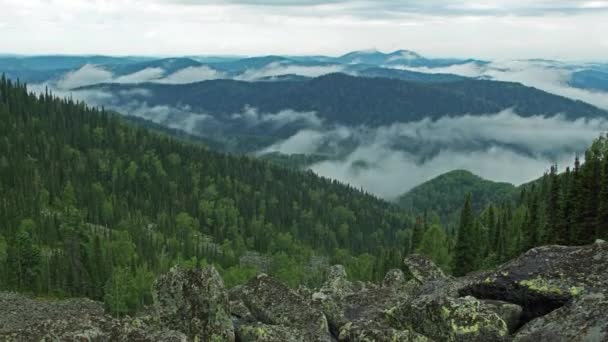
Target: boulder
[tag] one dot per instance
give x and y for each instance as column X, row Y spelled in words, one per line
column 423, row 269
column 274, row 304
column 394, row 278
column 449, row 319
column 585, row 319
column 28, row 319
column 195, row 303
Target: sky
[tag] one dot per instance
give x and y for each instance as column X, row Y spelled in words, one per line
column 490, row 29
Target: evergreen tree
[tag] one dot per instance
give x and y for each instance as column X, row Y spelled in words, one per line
column 465, row 253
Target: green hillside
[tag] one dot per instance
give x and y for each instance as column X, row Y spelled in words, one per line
column 90, row 203
column 444, row 194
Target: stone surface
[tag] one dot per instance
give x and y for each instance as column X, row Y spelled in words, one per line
column 195, row 303
column 423, row 269
column 450, row 319
column 274, row 304
column 550, row 293
column 28, row 319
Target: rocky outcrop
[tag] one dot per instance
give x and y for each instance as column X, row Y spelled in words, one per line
column 550, row 293
column 195, row 303
column 275, row 311
column 28, row 319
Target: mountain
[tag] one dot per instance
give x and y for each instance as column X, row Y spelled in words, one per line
column 399, row 57
column 349, row 100
column 407, row 75
column 590, row 79
column 444, row 194
column 89, row 198
column 167, row 65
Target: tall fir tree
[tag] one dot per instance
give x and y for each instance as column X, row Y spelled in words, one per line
column 465, row 252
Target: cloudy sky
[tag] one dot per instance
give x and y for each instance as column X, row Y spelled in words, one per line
column 573, row 30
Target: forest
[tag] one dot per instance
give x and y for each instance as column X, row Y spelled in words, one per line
column 91, row 205
column 94, row 205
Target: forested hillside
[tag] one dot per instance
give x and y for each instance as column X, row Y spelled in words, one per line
column 568, row 208
column 93, row 206
column 349, row 100
column 444, row 194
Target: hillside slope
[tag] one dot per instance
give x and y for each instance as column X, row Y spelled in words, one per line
column 95, row 200
column 444, row 194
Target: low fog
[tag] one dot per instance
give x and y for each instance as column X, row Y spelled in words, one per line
column 387, row 160
column 392, row 159
column 552, row 77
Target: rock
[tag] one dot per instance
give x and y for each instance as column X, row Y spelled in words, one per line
column 354, row 332
column 584, row 319
column 195, row 303
column 394, row 278
column 423, row 269
column 449, row 319
column 544, row 278
column 260, row 332
column 508, row 312
column 272, row 303
column 27, row 319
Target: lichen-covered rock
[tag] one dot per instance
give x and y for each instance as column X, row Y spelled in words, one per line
column 423, row 269
column 28, row 319
column 394, row 278
column 449, row 319
column 355, row 312
column 508, row 312
column 273, row 303
column 544, row 278
column 585, row 319
column 259, row 332
column 372, row 333
column 194, row 302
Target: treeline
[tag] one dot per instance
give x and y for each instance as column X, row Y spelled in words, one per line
column 92, row 206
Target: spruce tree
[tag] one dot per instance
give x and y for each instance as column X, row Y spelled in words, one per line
column 465, row 255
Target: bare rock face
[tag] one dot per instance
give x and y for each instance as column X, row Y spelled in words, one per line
column 194, row 302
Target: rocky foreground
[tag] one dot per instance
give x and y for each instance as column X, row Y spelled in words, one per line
column 551, row 293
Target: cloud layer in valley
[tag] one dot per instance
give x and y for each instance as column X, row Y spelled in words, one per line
column 390, row 160
column 552, row 77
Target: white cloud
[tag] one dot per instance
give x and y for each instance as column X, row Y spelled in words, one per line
column 145, row 75
column 193, row 74
column 551, row 77
column 280, row 119
column 87, row 75
column 278, row 68
column 390, row 160
column 500, row 28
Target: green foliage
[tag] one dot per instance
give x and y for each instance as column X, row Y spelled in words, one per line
column 466, row 249
column 121, row 295
column 436, row 244
column 237, row 275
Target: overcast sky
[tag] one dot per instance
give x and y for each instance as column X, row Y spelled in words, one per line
column 572, row 30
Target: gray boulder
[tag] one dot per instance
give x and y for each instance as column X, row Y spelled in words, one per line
column 195, row 303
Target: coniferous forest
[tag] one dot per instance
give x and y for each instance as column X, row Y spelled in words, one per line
column 91, row 205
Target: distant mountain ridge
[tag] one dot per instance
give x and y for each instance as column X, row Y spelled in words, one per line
column 349, row 100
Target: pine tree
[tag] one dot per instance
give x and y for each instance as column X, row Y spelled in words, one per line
column 465, row 253
column 602, row 215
